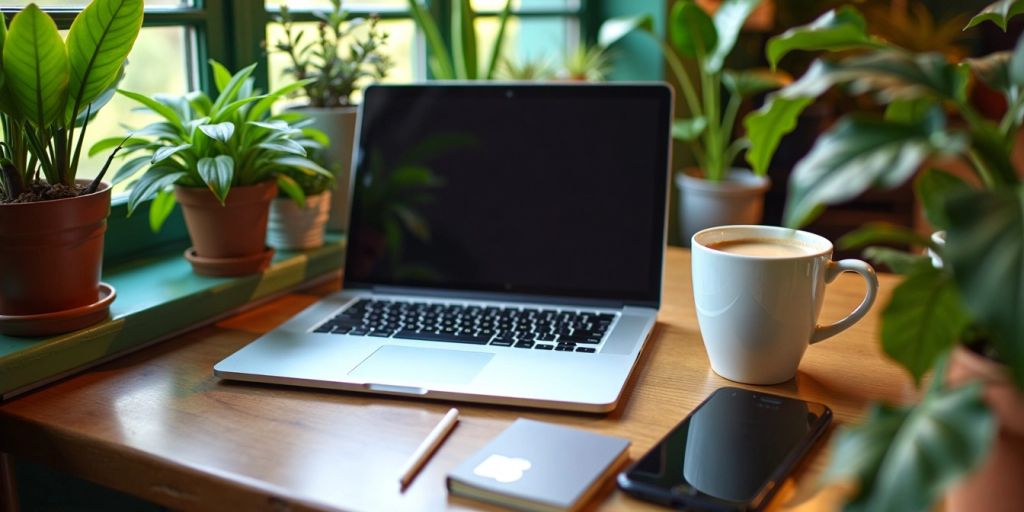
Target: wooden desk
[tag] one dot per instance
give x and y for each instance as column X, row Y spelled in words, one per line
column 159, row 425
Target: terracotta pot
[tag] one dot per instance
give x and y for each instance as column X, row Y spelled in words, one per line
column 339, row 123
column 51, row 255
column 295, row 228
column 236, row 230
column 997, row 485
column 737, row 199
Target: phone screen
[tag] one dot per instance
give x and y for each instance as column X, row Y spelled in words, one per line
column 731, row 452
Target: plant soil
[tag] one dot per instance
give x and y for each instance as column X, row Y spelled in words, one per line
column 46, row 192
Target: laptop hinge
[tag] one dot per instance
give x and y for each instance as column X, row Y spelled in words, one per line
column 497, row 296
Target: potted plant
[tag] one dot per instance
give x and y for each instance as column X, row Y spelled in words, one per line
column 460, row 61
column 300, row 225
column 715, row 192
column 223, row 159
column 959, row 317
column 52, row 224
column 332, row 72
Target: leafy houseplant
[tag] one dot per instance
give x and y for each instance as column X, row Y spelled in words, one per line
column 904, row 458
column 225, row 157
column 715, row 193
column 333, row 65
column 461, row 60
column 51, row 224
column 298, row 226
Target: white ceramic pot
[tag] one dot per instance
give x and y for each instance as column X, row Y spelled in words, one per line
column 295, row 228
column 339, row 124
column 737, row 199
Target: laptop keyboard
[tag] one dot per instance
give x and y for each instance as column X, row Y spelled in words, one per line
column 527, row 328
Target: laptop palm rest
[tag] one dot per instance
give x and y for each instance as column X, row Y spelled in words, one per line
column 395, row 364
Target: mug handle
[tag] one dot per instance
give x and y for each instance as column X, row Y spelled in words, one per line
column 835, row 268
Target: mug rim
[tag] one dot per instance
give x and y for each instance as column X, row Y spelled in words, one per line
column 819, row 245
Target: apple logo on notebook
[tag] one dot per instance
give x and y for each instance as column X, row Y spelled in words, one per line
column 501, row 468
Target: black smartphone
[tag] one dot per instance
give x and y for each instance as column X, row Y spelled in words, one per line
column 731, row 453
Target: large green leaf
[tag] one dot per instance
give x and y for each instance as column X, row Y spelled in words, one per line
column 900, row 75
column 691, row 30
column 923, row 319
column 220, row 131
column 160, row 208
column 98, row 43
column 884, row 233
column 900, row 262
column 217, row 173
column 230, row 92
column 998, row 12
column 158, row 108
column 836, row 30
column 728, row 20
column 985, row 248
column 614, row 29
column 855, row 154
column 933, row 188
column 464, row 40
column 688, row 129
column 3, row 38
column 492, row 61
column 904, row 459
column 154, row 180
column 36, row 66
column 993, row 69
column 440, row 59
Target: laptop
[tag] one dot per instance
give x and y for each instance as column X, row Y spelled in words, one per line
column 505, row 246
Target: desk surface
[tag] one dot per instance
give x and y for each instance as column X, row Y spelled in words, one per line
column 159, row 425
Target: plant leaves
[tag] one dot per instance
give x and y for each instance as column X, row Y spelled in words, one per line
column 904, row 459
column 220, row 131
column 900, row 262
column 753, row 81
column 113, row 142
column 36, row 66
column 292, row 189
column 688, row 129
column 157, row 108
column 1016, row 64
column 160, row 208
column 728, row 20
column 691, row 30
column 165, row 152
column 98, row 43
column 230, row 91
column 933, row 188
column 440, row 59
column 221, row 75
column 993, row 69
column 130, row 168
column 614, row 29
column 217, row 172
column 998, row 12
column 923, row 319
column 492, row 62
column 284, row 146
column 464, row 40
column 302, row 164
column 985, row 249
column 836, row 30
column 884, row 233
column 857, row 153
column 154, row 180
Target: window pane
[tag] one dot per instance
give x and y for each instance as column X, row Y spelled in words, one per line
column 82, row 3
column 535, row 39
column 524, row 5
column 401, row 34
column 157, row 64
column 325, row 5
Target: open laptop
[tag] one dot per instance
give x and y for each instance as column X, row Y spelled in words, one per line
column 505, row 245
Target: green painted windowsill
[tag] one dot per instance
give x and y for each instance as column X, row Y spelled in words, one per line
column 156, row 298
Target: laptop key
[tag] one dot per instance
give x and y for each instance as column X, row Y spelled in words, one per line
column 358, row 332
column 542, row 346
column 586, row 350
column 564, row 348
column 502, row 343
column 453, row 338
column 524, row 344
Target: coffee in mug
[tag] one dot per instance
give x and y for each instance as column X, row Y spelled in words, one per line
column 758, row 292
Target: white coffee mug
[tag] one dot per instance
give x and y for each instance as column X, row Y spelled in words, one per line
column 757, row 306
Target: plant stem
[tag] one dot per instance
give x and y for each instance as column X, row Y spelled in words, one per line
column 689, row 93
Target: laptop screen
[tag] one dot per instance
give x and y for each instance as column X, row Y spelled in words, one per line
column 547, row 190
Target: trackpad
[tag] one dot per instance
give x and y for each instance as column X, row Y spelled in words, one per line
column 395, row 364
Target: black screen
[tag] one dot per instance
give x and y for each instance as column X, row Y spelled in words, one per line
column 532, row 189
column 731, row 447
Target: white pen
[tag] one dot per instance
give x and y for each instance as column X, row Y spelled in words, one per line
column 429, row 446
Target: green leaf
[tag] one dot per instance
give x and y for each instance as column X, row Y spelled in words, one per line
column 767, row 126
column 985, row 249
column 160, row 208
column 923, row 319
column 993, row 69
column 302, row 164
column 221, row 75
column 857, row 153
column 993, row 150
column 464, row 40
column 3, row 38
column 230, row 91
column 905, row 459
column 933, row 188
column 220, row 131
column 130, row 168
column 614, row 29
column 165, row 152
column 898, row 261
column 691, row 30
column 753, row 81
column 217, row 172
column 688, row 129
column 36, row 66
column 728, row 20
column 440, row 59
column 292, row 189
column 901, row 75
column 883, row 233
column 113, row 142
column 836, row 30
column 492, row 62
column 157, row 108
column 998, row 12
column 284, row 146
column 153, row 181
column 98, row 43
column 1016, row 65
